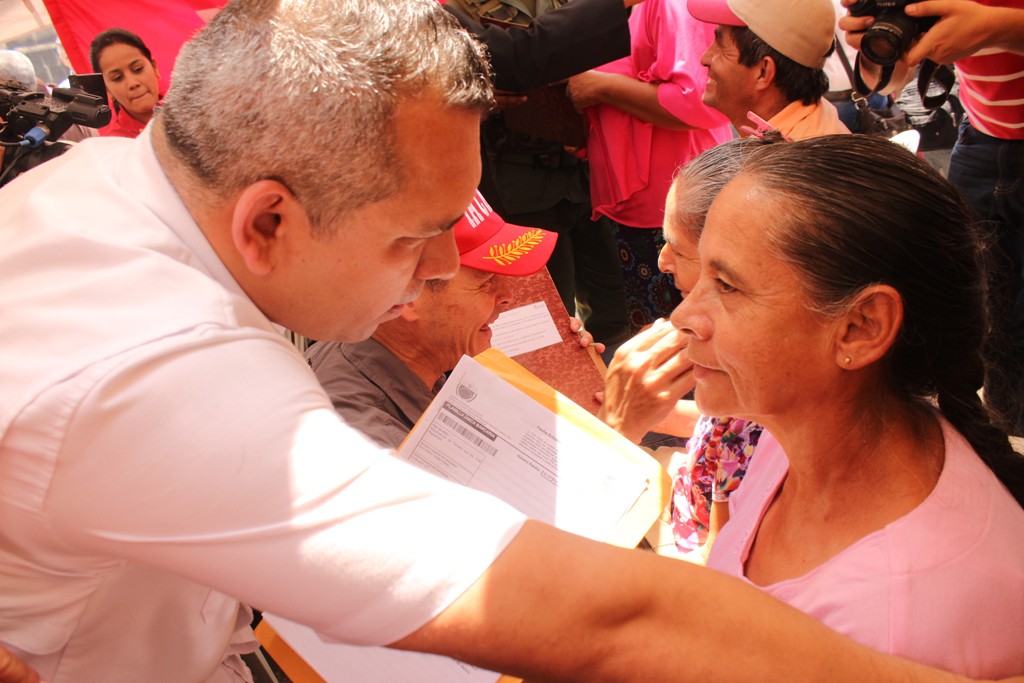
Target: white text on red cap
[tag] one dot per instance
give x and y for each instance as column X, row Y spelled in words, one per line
column 478, row 211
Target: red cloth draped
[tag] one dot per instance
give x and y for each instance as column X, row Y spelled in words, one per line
column 162, row 24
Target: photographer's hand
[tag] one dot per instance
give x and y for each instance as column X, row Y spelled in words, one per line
column 964, row 27
column 854, row 27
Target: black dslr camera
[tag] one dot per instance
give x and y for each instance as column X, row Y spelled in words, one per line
column 893, row 32
column 32, row 122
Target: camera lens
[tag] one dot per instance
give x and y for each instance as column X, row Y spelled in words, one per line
column 881, row 47
column 890, row 36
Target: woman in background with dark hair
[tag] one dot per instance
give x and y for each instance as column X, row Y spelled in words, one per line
column 132, row 79
column 842, row 303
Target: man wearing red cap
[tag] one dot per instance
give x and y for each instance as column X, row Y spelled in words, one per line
column 382, row 385
column 767, row 59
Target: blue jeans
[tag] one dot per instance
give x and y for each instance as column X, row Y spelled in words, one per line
column 990, row 174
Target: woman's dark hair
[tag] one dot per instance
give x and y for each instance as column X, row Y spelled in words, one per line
column 797, row 82
column 115, row 36
column 860, row 211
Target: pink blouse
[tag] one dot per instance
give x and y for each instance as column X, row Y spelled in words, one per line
column 942, row 585
column 631, row 162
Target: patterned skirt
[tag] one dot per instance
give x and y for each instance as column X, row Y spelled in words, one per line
column 650, row 294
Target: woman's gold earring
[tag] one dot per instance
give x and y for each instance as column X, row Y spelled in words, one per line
column 847, row 360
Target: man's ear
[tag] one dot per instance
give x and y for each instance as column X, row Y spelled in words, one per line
column 265, row 214
column 868, row 328
column 765, row 74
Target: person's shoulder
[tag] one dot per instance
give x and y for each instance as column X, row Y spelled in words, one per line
column 338, row 360
column 322, row 353
column 980, row 487
column 353, row 374
column 969, row 517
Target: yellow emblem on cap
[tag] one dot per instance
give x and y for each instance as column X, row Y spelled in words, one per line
column 504, row 254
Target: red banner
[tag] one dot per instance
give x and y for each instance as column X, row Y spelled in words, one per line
column 163, row 26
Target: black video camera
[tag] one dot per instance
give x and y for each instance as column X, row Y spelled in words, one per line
column 22, row 110
column 893, row 32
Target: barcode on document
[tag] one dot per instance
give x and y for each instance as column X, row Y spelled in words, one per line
column 467, row 433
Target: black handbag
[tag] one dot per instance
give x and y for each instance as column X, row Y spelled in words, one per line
column 938, row 127
column 940, row 131
column 885, row 122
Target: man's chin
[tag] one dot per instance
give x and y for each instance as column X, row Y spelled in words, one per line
column 363, row 332
column 387, row 316
column 351, row 336
column 481, row 343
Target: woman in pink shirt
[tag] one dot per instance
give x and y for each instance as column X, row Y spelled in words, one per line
column 646, row 118
column 842, row 304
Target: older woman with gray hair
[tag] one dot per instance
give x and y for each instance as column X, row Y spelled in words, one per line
column 650, row 372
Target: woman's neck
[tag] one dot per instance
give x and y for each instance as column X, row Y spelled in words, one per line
column 884, row 445
column 849, row 475
column 141, row 118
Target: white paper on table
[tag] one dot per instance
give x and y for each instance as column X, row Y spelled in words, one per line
column 484, row 433
column 524, row 329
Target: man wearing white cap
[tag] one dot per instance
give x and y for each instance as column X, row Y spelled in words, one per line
column 767, row 59
column 382, row 385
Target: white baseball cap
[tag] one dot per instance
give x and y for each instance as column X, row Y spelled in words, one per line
column 803, row 30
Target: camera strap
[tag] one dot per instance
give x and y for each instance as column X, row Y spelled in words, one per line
column 929, row 72
column 858, row 81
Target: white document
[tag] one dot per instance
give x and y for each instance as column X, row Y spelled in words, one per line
column 524, row 329
column 484, row 433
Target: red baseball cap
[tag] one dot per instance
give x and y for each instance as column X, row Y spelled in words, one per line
column 486, row 242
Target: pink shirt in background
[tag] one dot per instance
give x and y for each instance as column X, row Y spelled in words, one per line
column 631, row 162
column 943, row 585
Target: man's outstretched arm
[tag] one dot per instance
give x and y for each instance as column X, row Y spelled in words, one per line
column 557, row 607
